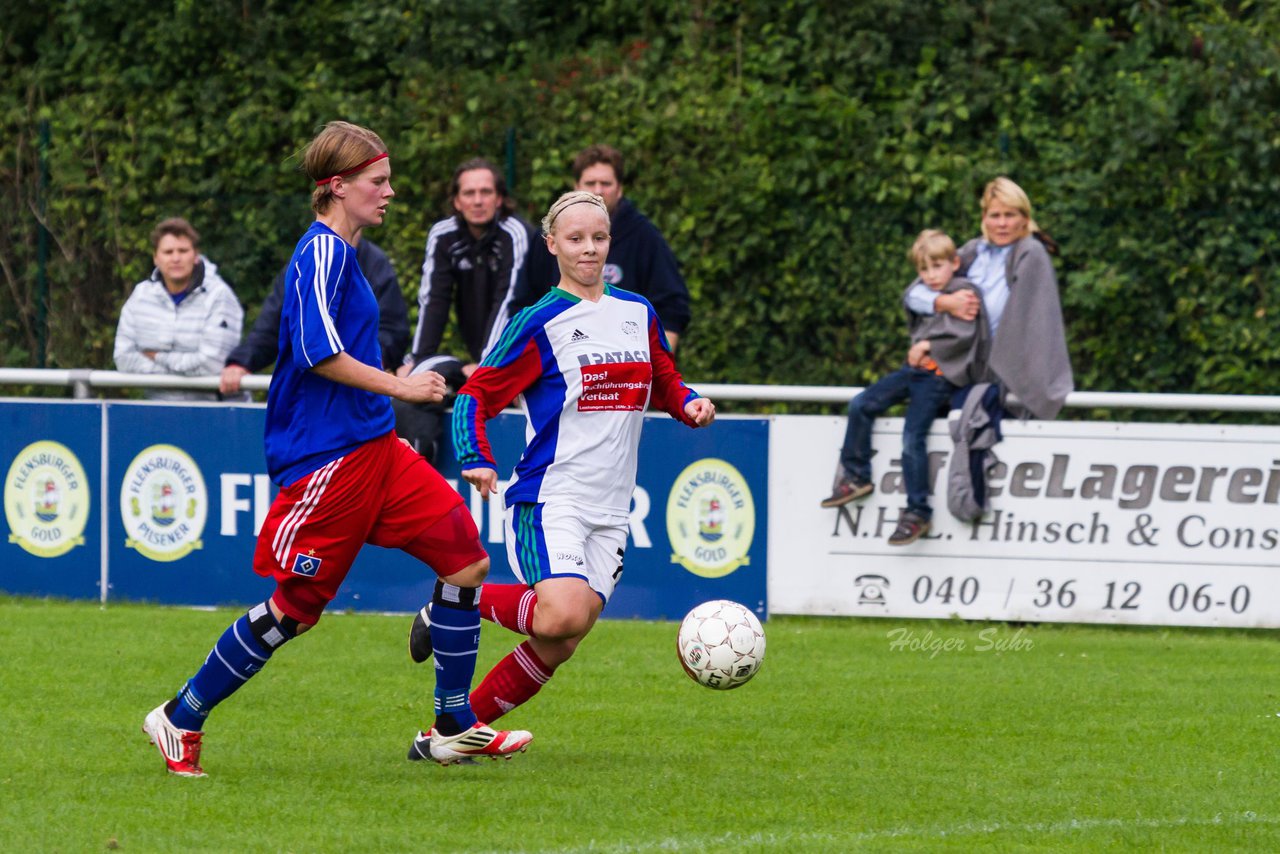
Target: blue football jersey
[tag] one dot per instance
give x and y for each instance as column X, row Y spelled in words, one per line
column 328, row 308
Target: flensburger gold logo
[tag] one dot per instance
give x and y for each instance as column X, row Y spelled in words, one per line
column 710, row 518
column 163, row 503
column 46, row 499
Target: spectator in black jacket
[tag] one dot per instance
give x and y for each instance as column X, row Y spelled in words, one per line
column 640, row 260
column 259, row 347
column 473, row 259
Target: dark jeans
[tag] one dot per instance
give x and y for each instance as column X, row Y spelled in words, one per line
column 927, row 396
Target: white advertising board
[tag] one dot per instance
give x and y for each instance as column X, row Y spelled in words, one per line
column 1161, row 524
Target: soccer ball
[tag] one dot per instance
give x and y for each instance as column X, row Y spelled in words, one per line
column 720, row 644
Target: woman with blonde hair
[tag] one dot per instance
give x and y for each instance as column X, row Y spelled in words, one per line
column 1011, row 268
column 588, row 358
column 345, row 478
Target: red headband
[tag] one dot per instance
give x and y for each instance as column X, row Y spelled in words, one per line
column 353, row 170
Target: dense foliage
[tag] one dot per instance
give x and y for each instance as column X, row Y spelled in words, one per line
column 789, row 149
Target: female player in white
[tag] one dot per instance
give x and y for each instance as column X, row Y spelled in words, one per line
column 589, row 359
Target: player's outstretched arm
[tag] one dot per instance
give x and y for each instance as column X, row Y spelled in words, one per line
column 425, row 387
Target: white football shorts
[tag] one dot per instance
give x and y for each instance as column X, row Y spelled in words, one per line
column 564, row 541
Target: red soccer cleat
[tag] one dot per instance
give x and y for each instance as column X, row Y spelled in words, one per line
column 179, row 747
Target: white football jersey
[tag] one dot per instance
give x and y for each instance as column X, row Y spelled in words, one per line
column 587, row 370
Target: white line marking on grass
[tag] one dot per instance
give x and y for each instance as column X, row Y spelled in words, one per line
column 785, row 840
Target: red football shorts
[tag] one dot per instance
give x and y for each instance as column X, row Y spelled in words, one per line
column 382, row 493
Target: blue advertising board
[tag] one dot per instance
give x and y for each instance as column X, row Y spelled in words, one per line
column 184, row 508
column 186, row 491
column 51, row 455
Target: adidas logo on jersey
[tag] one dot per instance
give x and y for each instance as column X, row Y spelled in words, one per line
column 579, row 335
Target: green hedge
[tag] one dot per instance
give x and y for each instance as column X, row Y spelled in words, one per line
column 790, row 151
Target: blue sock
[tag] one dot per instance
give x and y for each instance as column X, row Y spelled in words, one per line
column 240, row 653
column 455, row 634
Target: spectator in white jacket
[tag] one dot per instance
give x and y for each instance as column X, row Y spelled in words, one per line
column 183, row 319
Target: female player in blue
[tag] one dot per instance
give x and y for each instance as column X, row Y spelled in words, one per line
column 345, row 478
column 588, row 359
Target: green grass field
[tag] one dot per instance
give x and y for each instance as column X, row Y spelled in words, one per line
column 1069, row 738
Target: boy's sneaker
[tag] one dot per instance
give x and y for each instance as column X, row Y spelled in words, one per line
column 911, row 527
column 179, row 747
column 420, row 648
column 481, row 741
column 847, row 489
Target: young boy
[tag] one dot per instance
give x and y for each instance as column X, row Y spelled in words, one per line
column 945, row 353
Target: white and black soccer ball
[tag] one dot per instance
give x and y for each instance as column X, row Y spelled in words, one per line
column 720, row 644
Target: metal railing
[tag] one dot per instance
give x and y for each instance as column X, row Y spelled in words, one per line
column 82, row 383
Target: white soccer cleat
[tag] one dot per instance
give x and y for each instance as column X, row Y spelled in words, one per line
column 421, row 749
column 179, row 747
column 481, row 741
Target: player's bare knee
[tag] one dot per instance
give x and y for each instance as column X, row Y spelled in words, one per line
column 560, row 624
column 554, row 629
column 469, row 576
